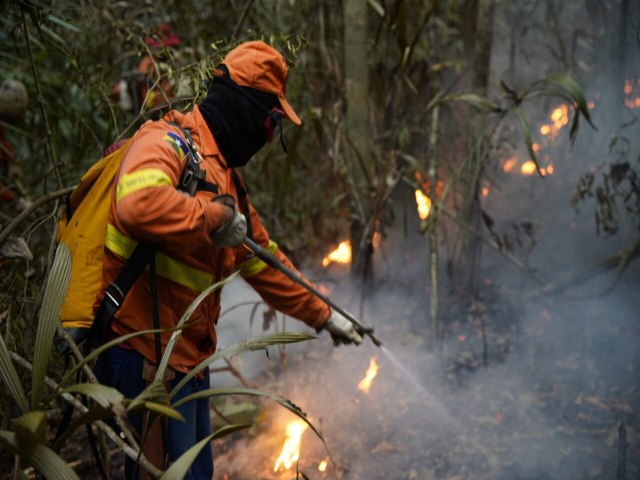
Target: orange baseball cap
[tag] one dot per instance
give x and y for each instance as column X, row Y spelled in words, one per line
column 260, row 66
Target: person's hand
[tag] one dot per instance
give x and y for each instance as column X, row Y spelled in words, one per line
column 341, row 329
column 234, row 231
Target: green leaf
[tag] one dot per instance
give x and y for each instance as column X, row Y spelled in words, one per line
column 103, row 395
column 229, row 429
column 50, row 464
column 246, row 346
column 10, row 378
column 49, row 317
column 377, row 7
column 30, row 429
column 63, row 24
column 181, row 466
column 161, row 409
column 526, row 132
column 478, row 101
column 43, row 459
column 164, row 363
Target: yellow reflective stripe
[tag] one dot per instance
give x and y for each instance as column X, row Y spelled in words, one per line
column 167, row 267
column 190, row 277
column 134, row 181
column 254, row 265
column 119, row 243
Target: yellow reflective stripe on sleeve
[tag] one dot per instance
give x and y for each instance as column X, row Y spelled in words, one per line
column 190, row 277
column 254, row 265
column 167, row 267
column 134, row 181
column 118, row 243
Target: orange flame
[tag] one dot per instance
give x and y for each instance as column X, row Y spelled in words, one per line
column 484, row 191
column 342, row 254
column 291, row 449
column 510, row 163
column 424, row 204
column 528, row 168
column 367, row 381
column 323, row 465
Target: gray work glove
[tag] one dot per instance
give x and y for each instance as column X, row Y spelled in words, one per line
column 232, row 233
column 341, row 329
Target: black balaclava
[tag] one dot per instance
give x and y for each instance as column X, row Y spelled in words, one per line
column 236, row 118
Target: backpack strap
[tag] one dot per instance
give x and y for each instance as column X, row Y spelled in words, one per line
column 191, row 179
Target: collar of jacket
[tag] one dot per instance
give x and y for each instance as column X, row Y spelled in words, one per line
column 200, row 133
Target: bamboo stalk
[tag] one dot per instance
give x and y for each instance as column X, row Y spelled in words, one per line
column 433, row 229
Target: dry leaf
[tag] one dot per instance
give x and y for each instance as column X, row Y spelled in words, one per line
column 383, row 447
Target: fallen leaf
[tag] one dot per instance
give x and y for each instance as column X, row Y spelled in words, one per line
column 383, row 447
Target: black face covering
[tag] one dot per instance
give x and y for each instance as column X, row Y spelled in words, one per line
column 236, row 121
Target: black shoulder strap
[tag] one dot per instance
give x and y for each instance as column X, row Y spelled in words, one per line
column 144, row 252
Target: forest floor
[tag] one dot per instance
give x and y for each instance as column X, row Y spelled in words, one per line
column 550, row 397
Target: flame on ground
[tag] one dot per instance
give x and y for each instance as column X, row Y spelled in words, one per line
column 508, row 164
column 322, row 467
column 367, row 381
column 342, row 254
column 424, row 204
column 291, row 449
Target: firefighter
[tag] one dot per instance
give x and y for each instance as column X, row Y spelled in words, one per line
column 200, row 237
column 13, row 104
column 146, row 88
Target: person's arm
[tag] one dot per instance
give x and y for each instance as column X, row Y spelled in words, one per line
column 148, row 203
column 288, row 296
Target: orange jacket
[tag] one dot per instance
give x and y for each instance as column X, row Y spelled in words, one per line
column 147, row 206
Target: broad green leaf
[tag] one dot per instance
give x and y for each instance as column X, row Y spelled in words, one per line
column 161, row 409
column 105, row 396
column 49, row 316
column 50, row 464
column 43, row 459
column 526, row 132
column 154, row 392
column 571, row 86
column 30, row 429
column 10, row 378
column 181, row 466
column 246, row 346
column 164, row 363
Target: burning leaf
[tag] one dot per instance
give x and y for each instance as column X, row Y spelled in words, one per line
column 365, row 384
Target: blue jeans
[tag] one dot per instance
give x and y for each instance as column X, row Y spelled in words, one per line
column 122, row 369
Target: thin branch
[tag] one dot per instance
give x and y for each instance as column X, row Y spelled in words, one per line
column 243, row 17
column 50, row 152
column 34, row 206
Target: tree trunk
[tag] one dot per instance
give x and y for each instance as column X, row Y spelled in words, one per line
column 469, row 266
column 357, row 127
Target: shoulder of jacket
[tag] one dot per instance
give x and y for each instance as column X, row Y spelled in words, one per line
column 163, row 133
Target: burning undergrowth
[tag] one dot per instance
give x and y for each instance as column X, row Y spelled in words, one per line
column 523, row 385
column 549, row 407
